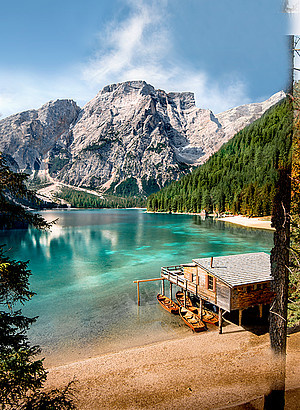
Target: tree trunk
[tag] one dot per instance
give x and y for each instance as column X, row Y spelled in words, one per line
column 279, row 270
column 280, row 273
column 280, row 263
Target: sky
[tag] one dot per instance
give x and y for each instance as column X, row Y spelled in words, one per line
column 228, row 52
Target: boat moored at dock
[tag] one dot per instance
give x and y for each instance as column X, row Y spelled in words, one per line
column 192, row 320
column 168, row 304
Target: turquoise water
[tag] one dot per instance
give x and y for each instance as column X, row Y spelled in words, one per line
column 83, row 273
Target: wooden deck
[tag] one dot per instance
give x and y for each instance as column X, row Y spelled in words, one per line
column 174, row 274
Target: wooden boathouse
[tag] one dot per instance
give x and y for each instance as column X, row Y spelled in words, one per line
column 234, row 282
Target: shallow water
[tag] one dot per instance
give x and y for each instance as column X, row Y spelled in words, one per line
column 83, row 273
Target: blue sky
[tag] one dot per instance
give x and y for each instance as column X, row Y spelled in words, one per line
column 228, row 52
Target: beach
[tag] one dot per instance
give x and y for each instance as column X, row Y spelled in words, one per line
column 257, row 222
column 260, row 222
column 203, row 371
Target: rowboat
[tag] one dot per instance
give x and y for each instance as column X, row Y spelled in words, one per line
column 191, row 319
column 168, row 304
column 210, row 317
column 207, row 315
column 180, row 299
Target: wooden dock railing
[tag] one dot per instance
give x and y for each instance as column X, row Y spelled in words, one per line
column 138, row 286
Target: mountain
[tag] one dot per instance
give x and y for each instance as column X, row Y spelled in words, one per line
column 129, row 139
column 241, row 176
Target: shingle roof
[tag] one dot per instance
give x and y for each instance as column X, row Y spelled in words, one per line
column 237, row 270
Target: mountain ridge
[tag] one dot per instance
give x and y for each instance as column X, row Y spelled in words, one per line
column 130, row 137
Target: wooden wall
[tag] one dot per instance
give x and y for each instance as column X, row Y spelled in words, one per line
column 223, row 296
column 190, row 271
column 240, row 297
column 202, row 289
column 243, row 297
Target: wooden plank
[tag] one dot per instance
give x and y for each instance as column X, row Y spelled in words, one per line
column 241, row 299
column 147, row 280
column 260, row 310
column 200, row 308
column 138, row 286
column 240, row 316
column 223, row 296
column 220, row 321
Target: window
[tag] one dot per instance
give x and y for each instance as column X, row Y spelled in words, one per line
column 210, row 282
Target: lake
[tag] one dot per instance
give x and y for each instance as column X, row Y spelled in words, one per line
column 83, row 272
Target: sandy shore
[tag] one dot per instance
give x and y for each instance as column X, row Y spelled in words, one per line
column 263, row 222
column 200, row 371
column 260, row 222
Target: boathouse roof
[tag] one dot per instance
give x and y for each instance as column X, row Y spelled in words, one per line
column 237, row 270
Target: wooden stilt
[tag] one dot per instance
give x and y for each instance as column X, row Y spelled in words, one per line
column 240, row 316
column 200, row 308
column 220, row 321
column 260, row 310
column 185, row 298
column 163, row 287
column 138, row 286
column 170, row 290
column 138, row 293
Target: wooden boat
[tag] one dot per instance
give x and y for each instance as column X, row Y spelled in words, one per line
column 168, row 304
column 207, row 315
column 210, row 317
column 191, row 319
column 180, row 299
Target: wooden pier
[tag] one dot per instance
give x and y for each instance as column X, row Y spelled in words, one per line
column 138, row 286
column 234, row 282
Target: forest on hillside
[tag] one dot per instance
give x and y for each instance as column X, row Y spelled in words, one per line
column 81, row 199
column 240, row 178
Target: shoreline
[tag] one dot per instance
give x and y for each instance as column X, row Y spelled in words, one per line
column 260, row 222
column 208, row 368
column 257, row 222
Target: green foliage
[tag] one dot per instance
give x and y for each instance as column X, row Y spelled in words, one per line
column 14, row 192
column 57, row 163
column 81, row 199
column 21, row 375
column 294, row 277
column 241, row 176
column 149, row 186
column 128, row 187
column 54, row 399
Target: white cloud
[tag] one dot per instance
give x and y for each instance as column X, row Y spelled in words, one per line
column 24, row 90
column 136, row 44
column 138, row 48
column 141, row 48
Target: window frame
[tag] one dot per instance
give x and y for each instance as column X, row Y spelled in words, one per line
column 210, row 282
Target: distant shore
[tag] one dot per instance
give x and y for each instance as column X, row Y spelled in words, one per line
column 204, row 371
column 261, row 222
column 258, row 223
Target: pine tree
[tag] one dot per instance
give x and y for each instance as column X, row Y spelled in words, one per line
column 21, row 374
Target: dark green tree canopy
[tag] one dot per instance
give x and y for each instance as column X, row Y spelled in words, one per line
column 13, row 195
column 21, row 374
column 241, row 176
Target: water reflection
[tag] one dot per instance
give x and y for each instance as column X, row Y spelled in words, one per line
column 84, row 268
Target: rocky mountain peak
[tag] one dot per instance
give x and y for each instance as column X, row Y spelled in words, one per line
column 29, row 135
column 129, row 138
